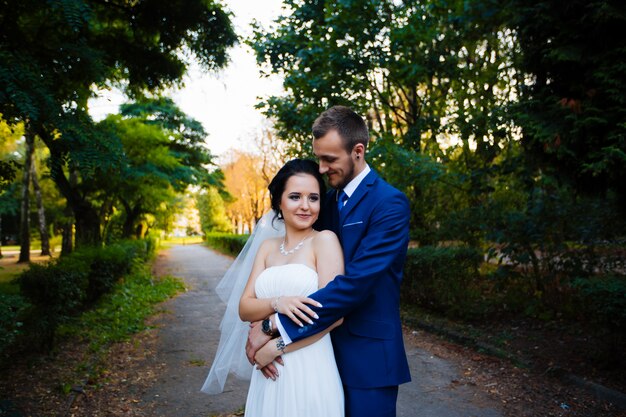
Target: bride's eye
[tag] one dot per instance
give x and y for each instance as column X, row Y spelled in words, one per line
column 294, row 197
column 314, row 198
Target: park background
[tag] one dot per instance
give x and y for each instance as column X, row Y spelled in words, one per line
column 503, row 122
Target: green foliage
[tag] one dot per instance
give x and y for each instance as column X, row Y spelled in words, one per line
column 573, row 111
column 53, row 53
column 56, row 291
column 106, row 266
column 212, row 212
column 12, row 311
column 226, row 243
column 502, row 124
column 443, row 279
column 163, row 153
column 603, row 300
column 57, row 288
column 552, row 239
column 66, row 286
column 123, row 311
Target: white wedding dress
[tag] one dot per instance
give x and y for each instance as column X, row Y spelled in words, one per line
column 309, row 384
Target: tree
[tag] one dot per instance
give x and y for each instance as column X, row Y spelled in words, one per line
column 212, row 211
column 429, row 77
column 53, row 53
column 9, row 135
column 247, row 188
column 25, row 200
column 572, row 112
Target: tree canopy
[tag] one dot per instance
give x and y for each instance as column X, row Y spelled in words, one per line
column 53, row 55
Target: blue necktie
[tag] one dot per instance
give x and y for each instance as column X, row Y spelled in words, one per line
column 342, row 197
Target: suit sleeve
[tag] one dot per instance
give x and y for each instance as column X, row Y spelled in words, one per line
column 385, row 240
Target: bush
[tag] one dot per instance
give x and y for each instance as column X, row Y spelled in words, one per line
column 66, row 286
column 12, row 309
column 443, row 279
column 106, row 266
column 226, row 242
column 56, row 291
column 58, row 286
column 603, row 300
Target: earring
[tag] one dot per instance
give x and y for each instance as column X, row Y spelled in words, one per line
column 280, row 215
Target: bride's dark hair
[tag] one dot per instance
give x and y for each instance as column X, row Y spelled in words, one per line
column 291, row 168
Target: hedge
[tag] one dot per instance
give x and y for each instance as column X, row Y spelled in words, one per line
column 443, row 279
column 227, row 243
column 64, row 287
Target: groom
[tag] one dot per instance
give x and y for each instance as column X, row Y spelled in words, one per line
column 371, row 219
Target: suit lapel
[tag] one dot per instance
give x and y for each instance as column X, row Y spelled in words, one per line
column 358, row 195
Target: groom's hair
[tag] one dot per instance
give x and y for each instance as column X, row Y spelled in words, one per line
column 350, row 126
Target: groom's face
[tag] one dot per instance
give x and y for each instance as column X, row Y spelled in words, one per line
column 337, row 163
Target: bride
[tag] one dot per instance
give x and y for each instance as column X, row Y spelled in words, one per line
column 285, row 269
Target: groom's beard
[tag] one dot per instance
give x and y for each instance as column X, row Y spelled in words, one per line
column 349, row 175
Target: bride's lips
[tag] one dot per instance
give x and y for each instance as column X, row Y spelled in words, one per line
column 304, row 216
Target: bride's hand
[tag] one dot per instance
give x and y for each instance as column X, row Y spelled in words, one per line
column 266, row 354
column 295, row 307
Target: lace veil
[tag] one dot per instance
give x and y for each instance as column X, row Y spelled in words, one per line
column 231, row 355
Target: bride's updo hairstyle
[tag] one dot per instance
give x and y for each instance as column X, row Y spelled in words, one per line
column 291, row 168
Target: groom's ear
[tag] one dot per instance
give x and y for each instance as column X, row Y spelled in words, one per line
column 358, row 151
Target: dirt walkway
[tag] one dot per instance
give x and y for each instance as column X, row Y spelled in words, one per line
column 188, row 339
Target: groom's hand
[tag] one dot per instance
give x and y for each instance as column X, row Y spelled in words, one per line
column 256, row 340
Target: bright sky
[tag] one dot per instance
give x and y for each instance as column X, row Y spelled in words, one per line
column 224, row 102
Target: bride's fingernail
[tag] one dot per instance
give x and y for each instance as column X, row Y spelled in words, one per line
column 319, row 305
column 316, row 316
column 311, row 321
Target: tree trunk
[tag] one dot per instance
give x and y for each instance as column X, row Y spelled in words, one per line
column 41, row 214
column 25, row 210
column 87, row 225
column 86, row 216
column 67, row 243
column 132, row 214
column 67, row 238
column 0, row 236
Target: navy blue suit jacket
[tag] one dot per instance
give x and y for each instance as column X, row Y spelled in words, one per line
column 373, row 228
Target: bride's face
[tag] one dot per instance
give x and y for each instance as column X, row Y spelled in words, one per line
column 300, row 202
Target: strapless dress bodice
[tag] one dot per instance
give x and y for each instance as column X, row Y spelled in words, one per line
column 288, row 279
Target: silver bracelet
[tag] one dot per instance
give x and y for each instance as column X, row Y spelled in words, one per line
column 275, row 304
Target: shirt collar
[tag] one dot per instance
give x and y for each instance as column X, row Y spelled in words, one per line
column 352, row 185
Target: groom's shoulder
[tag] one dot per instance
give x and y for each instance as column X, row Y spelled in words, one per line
column 384, row 187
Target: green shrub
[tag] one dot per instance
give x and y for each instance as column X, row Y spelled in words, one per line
column 443, row 279
column 106, row 266
column 226, row 242
column 12, row 309
column 603, row 300
column 58, row 286
column 57, row 291
column 61, row 288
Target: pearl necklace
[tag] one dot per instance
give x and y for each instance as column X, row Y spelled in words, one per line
column 289, row 252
